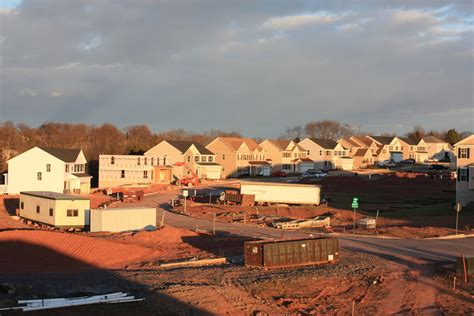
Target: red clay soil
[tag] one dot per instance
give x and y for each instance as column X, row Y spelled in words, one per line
column 40, row 251
column 6, row 221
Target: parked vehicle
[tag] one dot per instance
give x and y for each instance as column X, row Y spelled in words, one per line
column 438, row 167
column 408, row 161
column 285, row 193
column 387, row 163
column 279, row 174
column 313, row 173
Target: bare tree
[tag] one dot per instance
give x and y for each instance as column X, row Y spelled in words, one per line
column 295, row 132
column 327, row 129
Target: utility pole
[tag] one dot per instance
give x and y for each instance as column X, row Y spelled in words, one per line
column 214, row 226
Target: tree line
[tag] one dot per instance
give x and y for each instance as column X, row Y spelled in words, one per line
column 108, row 138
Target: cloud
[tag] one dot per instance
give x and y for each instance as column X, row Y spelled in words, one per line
column 235, row 65
column 289, row 22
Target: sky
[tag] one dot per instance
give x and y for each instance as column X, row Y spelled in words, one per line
column 255, row 67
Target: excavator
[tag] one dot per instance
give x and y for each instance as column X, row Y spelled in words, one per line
column 190, row 180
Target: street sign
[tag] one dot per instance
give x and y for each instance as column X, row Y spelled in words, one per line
column 185, row 193
column 355, row 202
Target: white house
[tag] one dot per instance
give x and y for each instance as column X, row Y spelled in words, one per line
column 326, row 153
column 48, row 169
column 464, row 150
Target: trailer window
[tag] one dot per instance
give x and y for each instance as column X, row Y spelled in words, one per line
column 72, row 213
column 255, row 250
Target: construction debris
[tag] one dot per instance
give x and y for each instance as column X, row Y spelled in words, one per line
column 319, row 221
column 41, row 304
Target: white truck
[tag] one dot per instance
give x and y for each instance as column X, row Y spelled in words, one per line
column 282, row 193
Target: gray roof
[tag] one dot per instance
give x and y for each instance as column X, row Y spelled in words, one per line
column 183, row 146
column 432, row 139
column 384, row 140
column 325, row 142
column 409, row 141
column 66, row 155
column 54, row 195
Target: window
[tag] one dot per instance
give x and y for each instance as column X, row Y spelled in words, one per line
column 144, row 161
column 464, row 153
column 39, row 176
column 51, row 212
column 48, row 167
column 223, row 156
column 145, row 174
column 203, row 159
column 196, row 158
column 37, row 209
column 164, row 161
column 320, row 152
column 328, row 152
column 189, row 158
column 138, row 161
column 72, row 213
column 158, row 161
column 67, row 168
column 22, row 205
column 211, row 159
column 122, row 174
column 112, row 160
column 152, row 161
column 463, row 174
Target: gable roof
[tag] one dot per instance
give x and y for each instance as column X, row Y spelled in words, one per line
column 183, row 146
column 326, row 143
column 409, row 141
column 361, row 152
column 236, row 142
column 363, row 140
column 468, row 140
column 64, row 154
column 384, row 140
column 350, row 142
column 432, row 139
column 280, row 143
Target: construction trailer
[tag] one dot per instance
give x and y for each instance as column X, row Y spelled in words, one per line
column 122, row 219
column 291, row 252
column 282, row 193
column 54, row 209
column 366, row 223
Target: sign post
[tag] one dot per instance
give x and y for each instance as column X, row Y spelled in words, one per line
column 355, row 206
column 185, row 194
column 458, row 210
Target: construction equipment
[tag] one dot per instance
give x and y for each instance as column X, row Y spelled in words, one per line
column 191, row 179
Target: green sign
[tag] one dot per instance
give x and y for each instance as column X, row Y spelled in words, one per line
column 355, row 202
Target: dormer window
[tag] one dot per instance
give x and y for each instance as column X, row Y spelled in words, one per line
column 112, row 160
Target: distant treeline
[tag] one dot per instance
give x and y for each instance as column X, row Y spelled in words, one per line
column 107, row 138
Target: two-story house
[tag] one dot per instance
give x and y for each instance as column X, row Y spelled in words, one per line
column 327, row 154
column 240, row 156
column 287, row 156
column 436, row 148
column 464, row 150
column 48, row 169
column 127, row 170
column 186, row 157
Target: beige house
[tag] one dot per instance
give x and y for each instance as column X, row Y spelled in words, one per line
column 48, row 169
column 128, row 170
column 410, row 149
column 186, row 158
column 326, row 153
column 464, row 150
column 240, row 157
column 436, row 148
column 351, row 145
column 54, row 209
column 363, row 158
column 287, row 156
column 366, row 142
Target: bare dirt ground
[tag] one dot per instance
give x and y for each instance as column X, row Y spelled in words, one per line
column 410, row 207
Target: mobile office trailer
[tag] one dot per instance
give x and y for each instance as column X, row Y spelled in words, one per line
column 284, row 193
column 54, row 209
column 291, row 252
column 122, row 219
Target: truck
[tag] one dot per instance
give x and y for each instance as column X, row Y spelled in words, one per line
column 282, row 193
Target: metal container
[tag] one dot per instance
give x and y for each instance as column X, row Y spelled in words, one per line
column 282, row 193
column 291, row 252
column 122, row 219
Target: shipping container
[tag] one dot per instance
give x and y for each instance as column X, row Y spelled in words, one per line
column 291, row 252
column 284, row 193
column 122, row 219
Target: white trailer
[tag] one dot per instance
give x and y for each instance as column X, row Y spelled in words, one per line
column 284, row 193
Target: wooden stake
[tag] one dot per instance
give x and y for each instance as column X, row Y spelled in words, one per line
column 353, row 307
column 454, row 284
column 163, row 219
column 465, row 268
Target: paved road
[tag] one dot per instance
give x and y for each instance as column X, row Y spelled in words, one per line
column 393, row 249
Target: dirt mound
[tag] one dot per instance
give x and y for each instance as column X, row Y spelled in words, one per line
column 164, row 236
column 39, row 251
